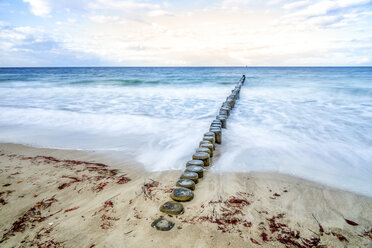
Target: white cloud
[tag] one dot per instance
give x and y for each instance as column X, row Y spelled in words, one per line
column 235, row 4
column 324, row 13
column 274, row 2
column 140, row 32
column 39, row 7
column 19, row 39
column 2, row 24
column 157, row 12
column 45, row 7
column 104, row 19
column 232, row 39
column 297, row 4
column 323, row 7
column 122, row 5
column 159, row 28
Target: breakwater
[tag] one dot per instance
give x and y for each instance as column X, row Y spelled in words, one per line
column 201, row 160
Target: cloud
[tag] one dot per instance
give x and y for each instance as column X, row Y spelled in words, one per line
column 231, row 39
column 238, row 5
column 122, row 5
column 325, row 7
column 144, row 33
column 104, row 19
column 44, row 8
column 296, row 4
column 274, row 2
column 158, row 12
column 323, row 13
column 30, row 46
column 22, row 38
column 39, row 7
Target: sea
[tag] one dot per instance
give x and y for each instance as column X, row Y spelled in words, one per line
column 310, row 122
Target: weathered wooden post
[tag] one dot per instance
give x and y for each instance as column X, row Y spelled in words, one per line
column 200, row 159
column 203, row 156
column 218, row 133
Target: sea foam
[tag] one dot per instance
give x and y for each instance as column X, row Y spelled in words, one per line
column 312, row 123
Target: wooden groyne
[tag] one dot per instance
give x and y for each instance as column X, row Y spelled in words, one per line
column 200, row 160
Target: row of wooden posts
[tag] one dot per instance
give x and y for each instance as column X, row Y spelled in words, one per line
column 200, row 160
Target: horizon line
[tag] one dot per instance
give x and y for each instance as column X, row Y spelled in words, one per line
column 256, row 66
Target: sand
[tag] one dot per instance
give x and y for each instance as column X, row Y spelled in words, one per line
column 51, row 199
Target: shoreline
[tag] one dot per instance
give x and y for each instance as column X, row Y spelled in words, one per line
column 94, row 210
column 121, row 162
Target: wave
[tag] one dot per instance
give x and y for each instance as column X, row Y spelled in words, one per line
column 314, row 135
column 6, row 80
column 308, row 122
column 117, row 82
column 158, row 143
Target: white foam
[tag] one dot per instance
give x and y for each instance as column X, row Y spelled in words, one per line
column 159, row 126
column 302, row 133
column 319, row 131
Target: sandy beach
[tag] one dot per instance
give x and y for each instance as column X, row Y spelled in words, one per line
column 62, row 198
column 186, row 124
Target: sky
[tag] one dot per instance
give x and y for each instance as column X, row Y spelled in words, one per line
column 185, row 33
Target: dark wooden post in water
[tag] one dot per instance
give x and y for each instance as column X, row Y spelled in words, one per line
column 201, row 159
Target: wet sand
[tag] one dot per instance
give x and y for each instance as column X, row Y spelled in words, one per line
column 65, row 198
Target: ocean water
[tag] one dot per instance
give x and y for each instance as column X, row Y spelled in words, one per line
column 314, row 123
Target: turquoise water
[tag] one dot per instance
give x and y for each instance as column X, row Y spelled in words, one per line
column 313, row 123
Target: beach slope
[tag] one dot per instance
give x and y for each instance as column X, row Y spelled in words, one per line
column 62, row 198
